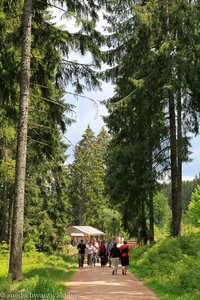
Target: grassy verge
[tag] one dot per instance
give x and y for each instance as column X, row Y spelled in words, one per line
column 44, row 276
column 170, row 268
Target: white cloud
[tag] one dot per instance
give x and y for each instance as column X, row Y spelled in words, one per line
column 187, row 178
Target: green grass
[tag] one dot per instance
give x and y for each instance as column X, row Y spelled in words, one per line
column 42, row 274
column 170, row 268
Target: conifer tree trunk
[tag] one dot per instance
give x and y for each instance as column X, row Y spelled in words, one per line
column 174, row 169
column 144, row 233
column 15, row 266
column 3, row 220
column 10, row 217
column 4, row 203
column 151, row 190
column 179, row 165
column 151, row 218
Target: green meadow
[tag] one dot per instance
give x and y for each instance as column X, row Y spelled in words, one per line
column 44, row 276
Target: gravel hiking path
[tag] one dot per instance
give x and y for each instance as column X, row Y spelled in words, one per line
column 98, row 283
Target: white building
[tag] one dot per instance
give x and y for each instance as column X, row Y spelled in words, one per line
column 85, row 233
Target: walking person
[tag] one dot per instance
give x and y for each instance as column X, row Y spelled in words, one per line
column 95, row 250
column 124, row 249
column 110, row 245
column 114, row 256
column 81, row 253
column 103, row 254
column 90, row 249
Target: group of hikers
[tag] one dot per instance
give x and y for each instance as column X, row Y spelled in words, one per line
column 104, row 253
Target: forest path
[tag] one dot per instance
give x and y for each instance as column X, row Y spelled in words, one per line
column 98, row 283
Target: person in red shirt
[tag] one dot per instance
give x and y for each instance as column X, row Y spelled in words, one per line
column 103, row 254
column 124, row 249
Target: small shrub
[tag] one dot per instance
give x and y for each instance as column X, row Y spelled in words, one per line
column 139, row 251
column 34, row 257
column 190, row 277
column 4, row 248
column 29, row 247
column 54, row 258
column 190, row 244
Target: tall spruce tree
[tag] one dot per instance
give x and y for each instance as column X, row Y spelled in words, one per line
column 176, row 52
column 15, row 264
column 151, row 56
column 47, row 209
column 87, row 180
column 9, row 96
column 136, row 123
column 51, row 71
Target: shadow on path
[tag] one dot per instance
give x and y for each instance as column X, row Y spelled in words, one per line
column 98, row 283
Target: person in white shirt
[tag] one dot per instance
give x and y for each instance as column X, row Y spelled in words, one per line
column 90, row 250
column 95, row 250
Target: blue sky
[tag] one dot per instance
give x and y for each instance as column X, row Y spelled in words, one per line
column 88, row 113
column 192, row 169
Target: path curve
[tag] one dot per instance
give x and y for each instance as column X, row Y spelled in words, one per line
column 97, row 283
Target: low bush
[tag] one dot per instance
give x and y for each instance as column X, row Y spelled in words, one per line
column 170, row 267
column 190, row 276
column 4, row 248
column 189, row 244
column 29, row 247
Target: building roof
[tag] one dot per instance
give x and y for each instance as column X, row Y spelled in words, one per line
column 85, row 230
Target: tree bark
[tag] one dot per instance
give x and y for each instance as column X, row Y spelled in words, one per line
column 179, row 166
column 151, row 218
column 10, row 218
column 15, row 265
column 174, row 168
column 175, row 158
column 144, row 233
column 4, row 201
column 3, row 221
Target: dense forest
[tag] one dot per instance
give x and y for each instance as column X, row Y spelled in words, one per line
column 151, row 49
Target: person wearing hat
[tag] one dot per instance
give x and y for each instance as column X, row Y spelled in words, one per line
column 124, row 249
column 115, row 256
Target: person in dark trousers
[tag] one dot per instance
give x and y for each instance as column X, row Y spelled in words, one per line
column 110, row 245
column 81, row 253
column 124, row 249
column 115, row 256
column 103, row 254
